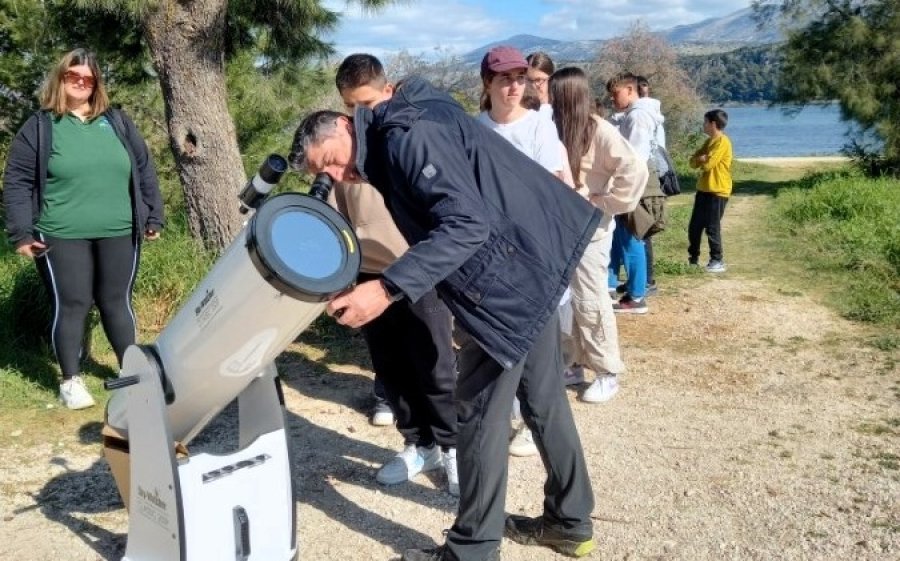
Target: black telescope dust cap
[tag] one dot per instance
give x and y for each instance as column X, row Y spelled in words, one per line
column 303, row 247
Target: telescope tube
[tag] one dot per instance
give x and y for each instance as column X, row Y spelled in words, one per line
column 275, row 278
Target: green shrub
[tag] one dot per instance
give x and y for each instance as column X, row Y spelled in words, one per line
column 847, row 225
column 170, row 269
column 670, row 246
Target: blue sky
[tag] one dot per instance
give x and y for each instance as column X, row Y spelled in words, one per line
column 457, row 26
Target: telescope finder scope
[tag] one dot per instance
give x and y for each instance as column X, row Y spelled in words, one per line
column 259, row 187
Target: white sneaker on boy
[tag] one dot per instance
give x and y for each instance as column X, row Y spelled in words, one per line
column 604, row 388
column 409, row 463
column 522, row 443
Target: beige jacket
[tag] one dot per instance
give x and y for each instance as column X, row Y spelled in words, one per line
column 380, row 241
column 612, row 176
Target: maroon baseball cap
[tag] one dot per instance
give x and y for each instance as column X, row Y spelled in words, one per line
column 502, row 59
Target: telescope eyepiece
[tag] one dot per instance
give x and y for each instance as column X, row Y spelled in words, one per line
column 259, row 187
column 321, row 186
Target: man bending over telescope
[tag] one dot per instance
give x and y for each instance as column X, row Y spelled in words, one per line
column 499, row 238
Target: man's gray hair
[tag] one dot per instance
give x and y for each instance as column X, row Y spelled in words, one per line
column 313, row 129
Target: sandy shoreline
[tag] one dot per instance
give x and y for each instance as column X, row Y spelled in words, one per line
column 795, row 160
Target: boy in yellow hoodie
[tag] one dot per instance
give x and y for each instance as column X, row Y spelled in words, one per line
column 713, row 190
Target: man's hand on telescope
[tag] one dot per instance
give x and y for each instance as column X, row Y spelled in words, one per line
column 361, row 304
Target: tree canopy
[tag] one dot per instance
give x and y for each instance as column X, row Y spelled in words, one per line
column 646, row 54
column 849, row 51
column 186, row 49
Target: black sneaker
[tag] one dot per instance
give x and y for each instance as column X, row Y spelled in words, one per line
column 533, row 531
column 629, row 305
column 440, row 553
column 622, row 289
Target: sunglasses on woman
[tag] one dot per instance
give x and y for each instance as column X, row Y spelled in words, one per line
column 75, row 78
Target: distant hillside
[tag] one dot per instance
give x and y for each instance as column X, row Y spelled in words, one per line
column 730, row 58
column 570, row 51
column 746, row 75
column 738, row 27
column 714, row 35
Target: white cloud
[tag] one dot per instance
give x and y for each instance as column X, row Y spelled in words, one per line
column 419, row 27
column 458, row 26
column 601, row 19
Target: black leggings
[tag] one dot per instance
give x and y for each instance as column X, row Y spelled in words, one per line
column 79, row 273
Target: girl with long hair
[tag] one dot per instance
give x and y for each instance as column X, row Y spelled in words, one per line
column 609, row 174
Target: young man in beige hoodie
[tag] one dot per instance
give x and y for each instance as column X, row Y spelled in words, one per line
column 410, row 344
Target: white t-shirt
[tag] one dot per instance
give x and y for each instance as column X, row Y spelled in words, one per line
column 546, row 110
column 534, row 135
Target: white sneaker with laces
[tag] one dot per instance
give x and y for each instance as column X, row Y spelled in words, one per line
column 74, row 395
column 522, row 443
column 409, row 463
column 715, row 266
column 448, row 458
column 603, row 389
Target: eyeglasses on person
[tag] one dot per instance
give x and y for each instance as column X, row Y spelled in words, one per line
column 74, row 78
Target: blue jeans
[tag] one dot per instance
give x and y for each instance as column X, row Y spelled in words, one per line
column 629, row 251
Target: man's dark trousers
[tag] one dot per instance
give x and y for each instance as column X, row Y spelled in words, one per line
column 412, row 354
column 484, row 400
column 706, row 215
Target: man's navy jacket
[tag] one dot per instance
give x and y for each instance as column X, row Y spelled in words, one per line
column 493, row 231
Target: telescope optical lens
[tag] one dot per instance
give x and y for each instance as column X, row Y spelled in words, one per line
column 277, row 163
column 307, row 245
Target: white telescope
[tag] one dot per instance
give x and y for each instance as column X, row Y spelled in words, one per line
column 274, row 279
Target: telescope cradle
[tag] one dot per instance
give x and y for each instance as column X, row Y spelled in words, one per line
column 207, row 506
column 275, row 278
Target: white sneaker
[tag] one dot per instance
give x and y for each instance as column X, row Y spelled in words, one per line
column 74, row 395
column 409, row 463
column 603, row 389
column 716, row 266
column 448, row 458
column 382, row 415
column 522, row 443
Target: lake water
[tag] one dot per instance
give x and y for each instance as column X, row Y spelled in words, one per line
column 759, row 132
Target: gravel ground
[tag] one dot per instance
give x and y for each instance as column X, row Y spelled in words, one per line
column 753, row 424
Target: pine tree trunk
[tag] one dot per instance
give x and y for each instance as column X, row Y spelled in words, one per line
column 186, row 40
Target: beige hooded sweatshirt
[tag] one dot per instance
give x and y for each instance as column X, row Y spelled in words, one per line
column 380, row 241
column 612, row 175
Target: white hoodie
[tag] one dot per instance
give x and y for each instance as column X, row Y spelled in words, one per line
column 643, row 125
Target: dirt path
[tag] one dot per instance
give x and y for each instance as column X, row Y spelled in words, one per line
column 753, row 424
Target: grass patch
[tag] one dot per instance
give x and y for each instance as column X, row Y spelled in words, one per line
column 888, row 461
column 670, row 246
column 889, row 525
column 845, row 228
column 170, row 268
column 885, row 341
column 876, row 429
